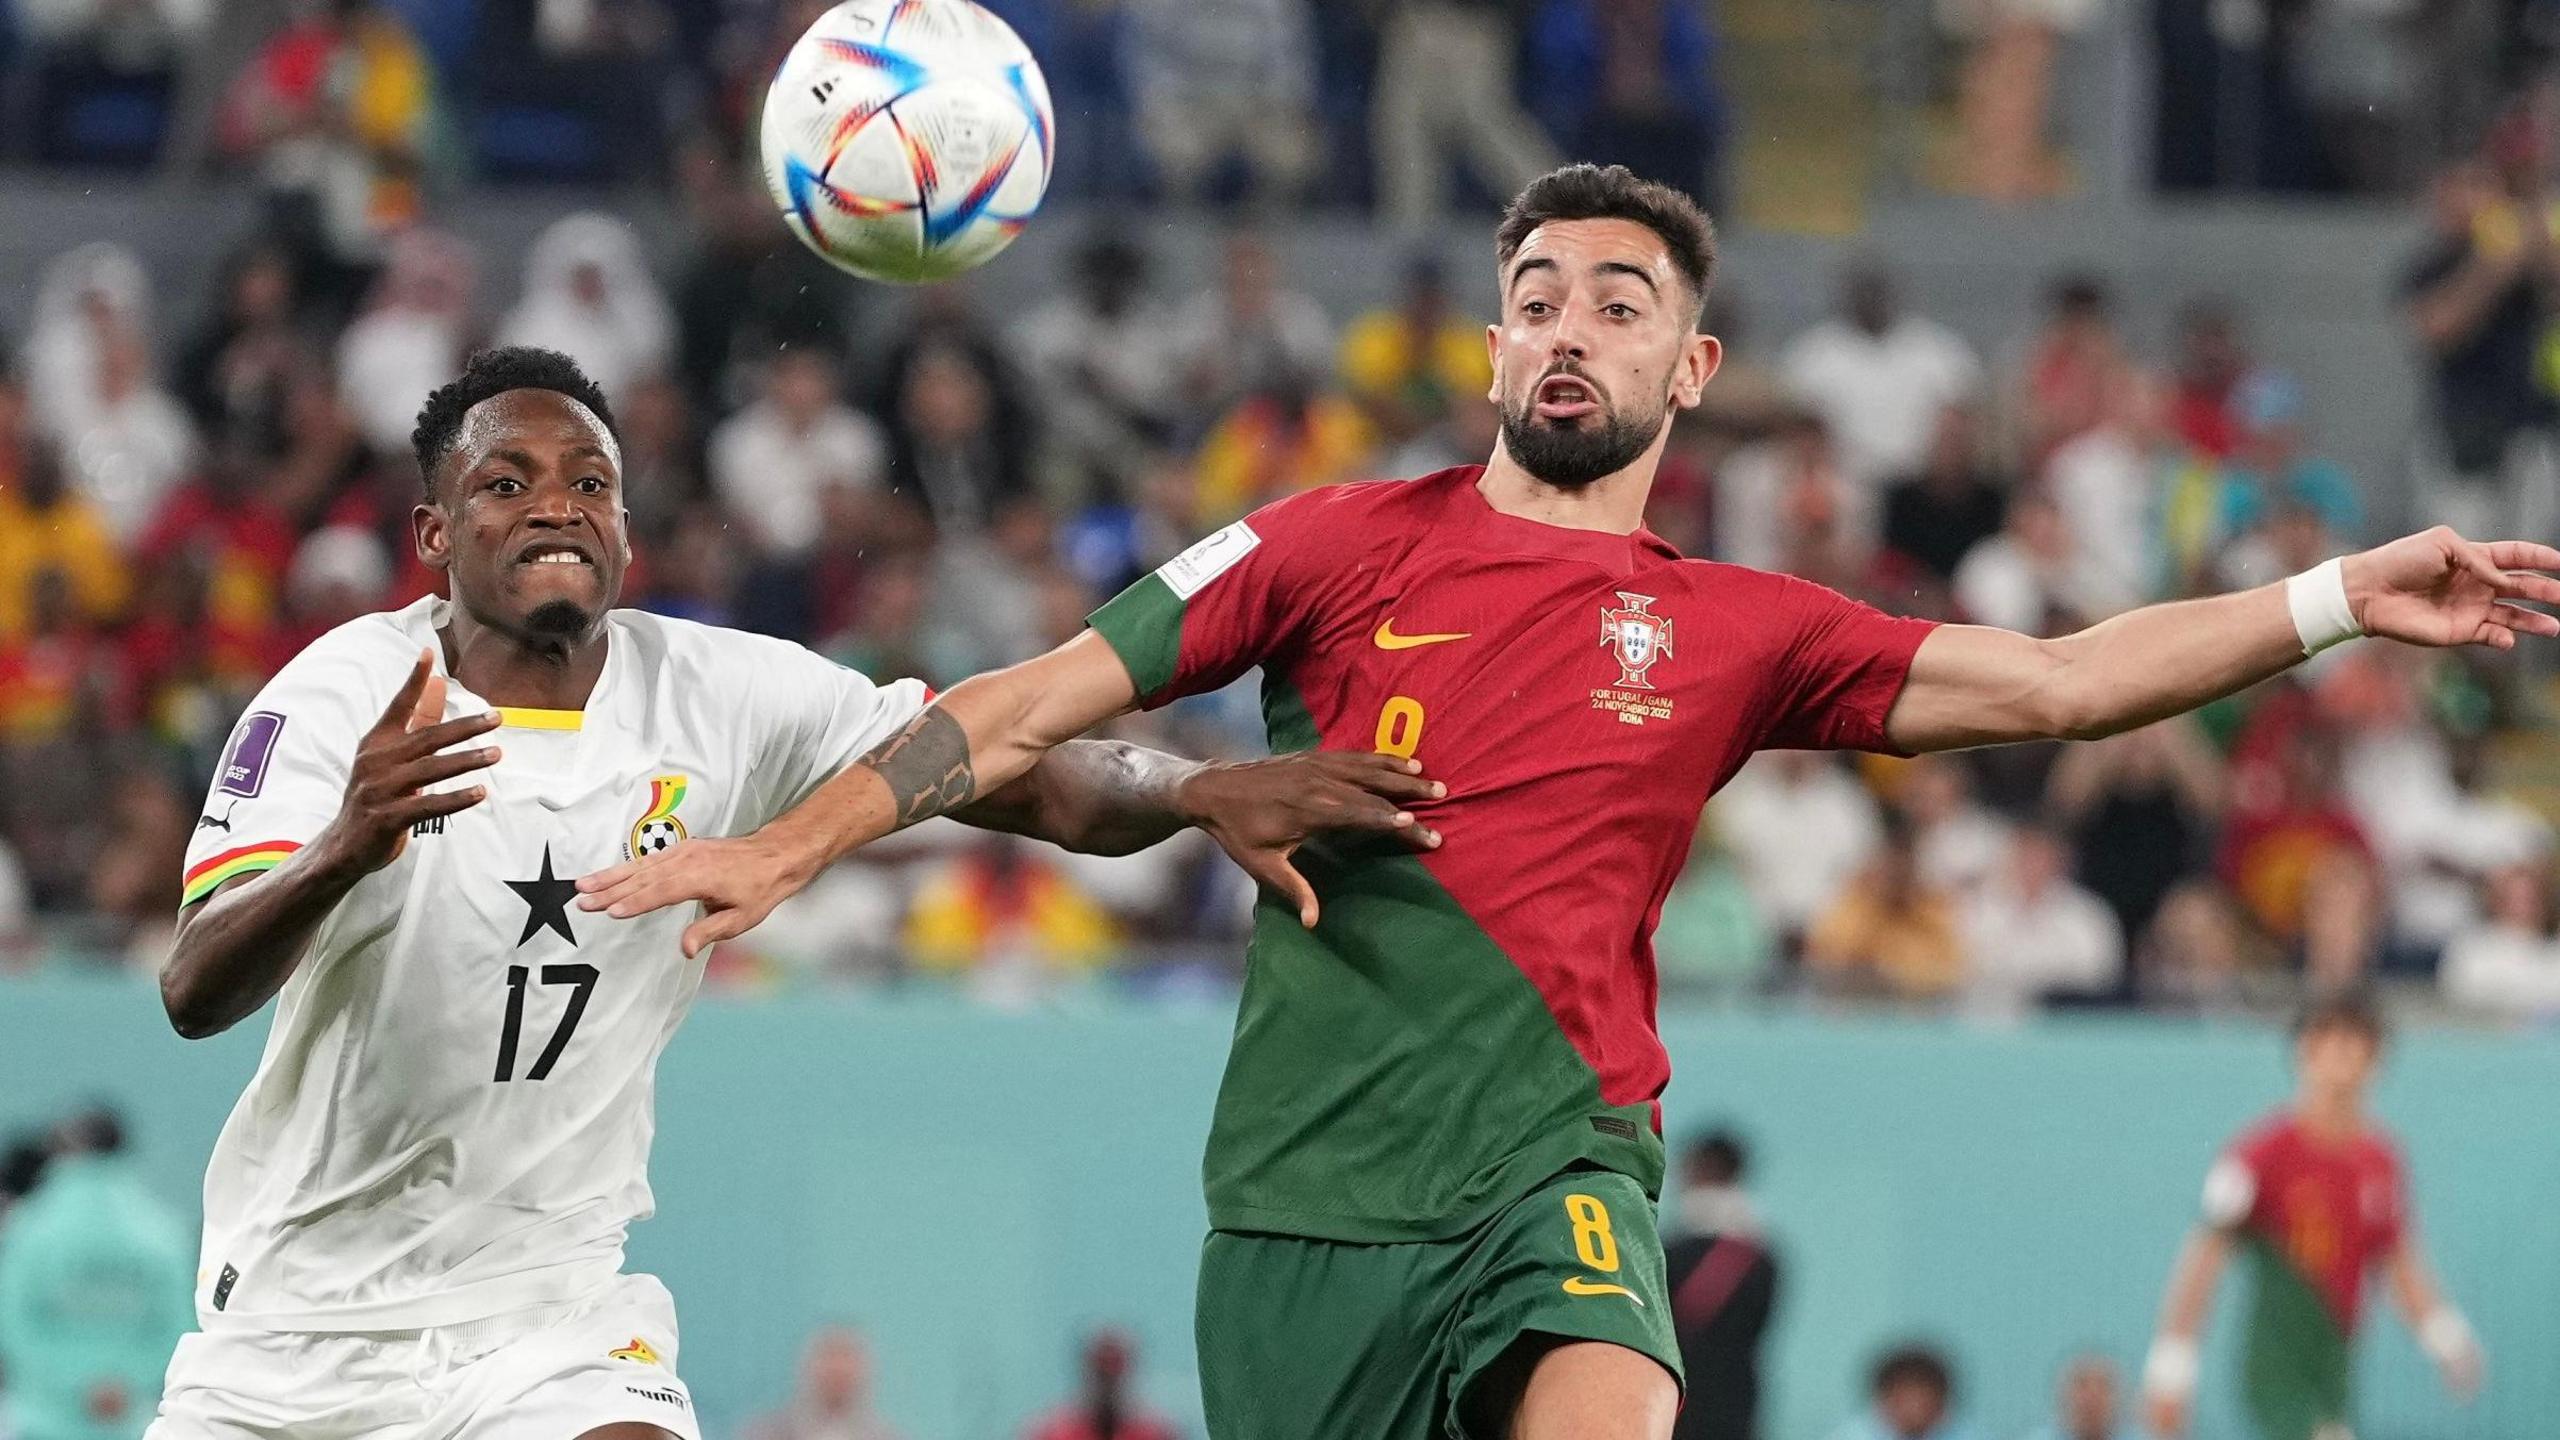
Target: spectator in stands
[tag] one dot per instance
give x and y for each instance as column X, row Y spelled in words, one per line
column 104, row 74
column 833, row 1400
column 1724, row 1287
column 1215, row 79
column 1934, row 517
column 2008, row 88
column 1096, row 356
column 2026, row 578
column 1763, row 489
column 1711, row 938
column 2075, row 367
column 1913, row 1394
column 123, row 440
column 1411, row 364
column 133, row 883
column 232, row 375
column 2508, row 962
column 586, row 83
column 2090, row 1405
column 1961, row 844
column 2111, row 482
column 21, row 943
column 1005, row 918
column 1879, row 376
column 750, row 293
column 1889, row 934
column 2478, row 298
column 412, row 337
column 949, row 448
column 1445, row 89
column 1106, row 1410
column 589, row 294
column 97, row 1282
column 228, row 523
column 2299, row 861
column 340, row 572
column 773, row 462
column 2212, row 360
column 1246, row 333
column 1801, row 828
column 2273, row 482
column 337, row 113
column 2138, row 809
column 1290, row 433
column 1632, row 82
column 2031, row 934
column 44, row 529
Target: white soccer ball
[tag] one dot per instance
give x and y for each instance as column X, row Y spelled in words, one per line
column 908, row 140
column 655, row 836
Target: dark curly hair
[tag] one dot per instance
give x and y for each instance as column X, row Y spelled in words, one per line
column 1614, row 192
column 495, row 372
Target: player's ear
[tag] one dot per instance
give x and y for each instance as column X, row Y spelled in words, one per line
column 1493, row 353
column 434, row 537
column 1700, row 357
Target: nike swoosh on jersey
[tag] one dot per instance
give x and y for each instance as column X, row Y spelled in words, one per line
column 1576, row 1285
column 1388, row 639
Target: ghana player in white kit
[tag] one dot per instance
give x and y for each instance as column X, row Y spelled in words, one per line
column 414, row 1217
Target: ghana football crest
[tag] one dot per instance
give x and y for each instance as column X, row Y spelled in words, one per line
column 1638, row 639
column 658, row 829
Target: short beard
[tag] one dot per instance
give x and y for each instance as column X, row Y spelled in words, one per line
column 1574, row 459
column 558, row 620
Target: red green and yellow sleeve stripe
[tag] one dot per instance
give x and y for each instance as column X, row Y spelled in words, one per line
column 207, row 875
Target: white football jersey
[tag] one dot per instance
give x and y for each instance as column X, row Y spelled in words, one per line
column 452, row 1117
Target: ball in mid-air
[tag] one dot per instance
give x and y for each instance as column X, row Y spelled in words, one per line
column 908, row 140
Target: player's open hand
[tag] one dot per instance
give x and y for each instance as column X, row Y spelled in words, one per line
column 2436, row 588
column 1261, row 811
column 404, row 753
column 738, row 882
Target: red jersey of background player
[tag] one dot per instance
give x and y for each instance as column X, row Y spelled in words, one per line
column 2331, row 1210
column 1466, row 1023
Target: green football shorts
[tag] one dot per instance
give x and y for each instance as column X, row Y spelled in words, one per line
column 1323, row 1340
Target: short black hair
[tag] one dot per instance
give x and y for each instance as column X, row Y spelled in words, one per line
column 1913, row 1364
column 495, row 372
column 1614, row 192
column 98, row 1130
column 1718, row 1157
column 2352, row 1007
column 2080, row 293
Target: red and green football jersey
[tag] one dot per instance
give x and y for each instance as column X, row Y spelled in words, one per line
column 1464, row 1024
column 2314, row 1218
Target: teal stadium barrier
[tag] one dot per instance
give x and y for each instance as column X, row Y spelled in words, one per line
column 973, row 1188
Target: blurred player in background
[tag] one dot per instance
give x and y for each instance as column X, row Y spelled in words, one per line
column 95, row 1275
column 1724, row 1286
column 2315, row 1201
column 1432, row 1172
column 414, row 1218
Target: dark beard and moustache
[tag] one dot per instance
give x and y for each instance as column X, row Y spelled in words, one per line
column 559, row 619
column 1571, row 459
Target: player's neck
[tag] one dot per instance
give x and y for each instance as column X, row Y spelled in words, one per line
column 2330, row 1117
column 1613, row 504
column 507, row 670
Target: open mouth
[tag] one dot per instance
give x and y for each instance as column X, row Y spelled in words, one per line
column 1564, row 397
column 555, row 552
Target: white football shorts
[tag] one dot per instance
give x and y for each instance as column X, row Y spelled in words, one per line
column 549, row 1373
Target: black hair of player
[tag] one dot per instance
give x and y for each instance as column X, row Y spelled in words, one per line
column 1614, row 192
column 22, row 1163
column 1913, row 1365
column 1717, row 1158
column 98, row 1130
column 495, row 372
column 2354, row 1007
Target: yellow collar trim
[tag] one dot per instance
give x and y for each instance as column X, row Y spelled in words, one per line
column 526, row 719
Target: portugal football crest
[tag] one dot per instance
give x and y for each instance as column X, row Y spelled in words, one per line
column 658, row 829
column 1639, row 637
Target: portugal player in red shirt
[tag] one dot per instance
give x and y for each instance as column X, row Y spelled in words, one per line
column 2314, row 1202
column 1432, row 1169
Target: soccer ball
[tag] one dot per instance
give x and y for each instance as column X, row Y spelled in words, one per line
column 908, row 140
column 650, row 837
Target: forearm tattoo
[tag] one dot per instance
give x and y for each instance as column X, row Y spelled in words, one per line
column 927, row 767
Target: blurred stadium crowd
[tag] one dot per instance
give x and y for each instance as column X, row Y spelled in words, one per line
column 194, row 485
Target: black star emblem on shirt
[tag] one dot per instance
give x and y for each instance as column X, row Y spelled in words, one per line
column 546, row 901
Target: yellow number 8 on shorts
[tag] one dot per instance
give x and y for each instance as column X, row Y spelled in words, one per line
column 1591, row 1238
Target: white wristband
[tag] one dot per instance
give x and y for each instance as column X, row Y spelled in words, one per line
column 2446, row 1336
column 2169, row 1372
column 2321, row 615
